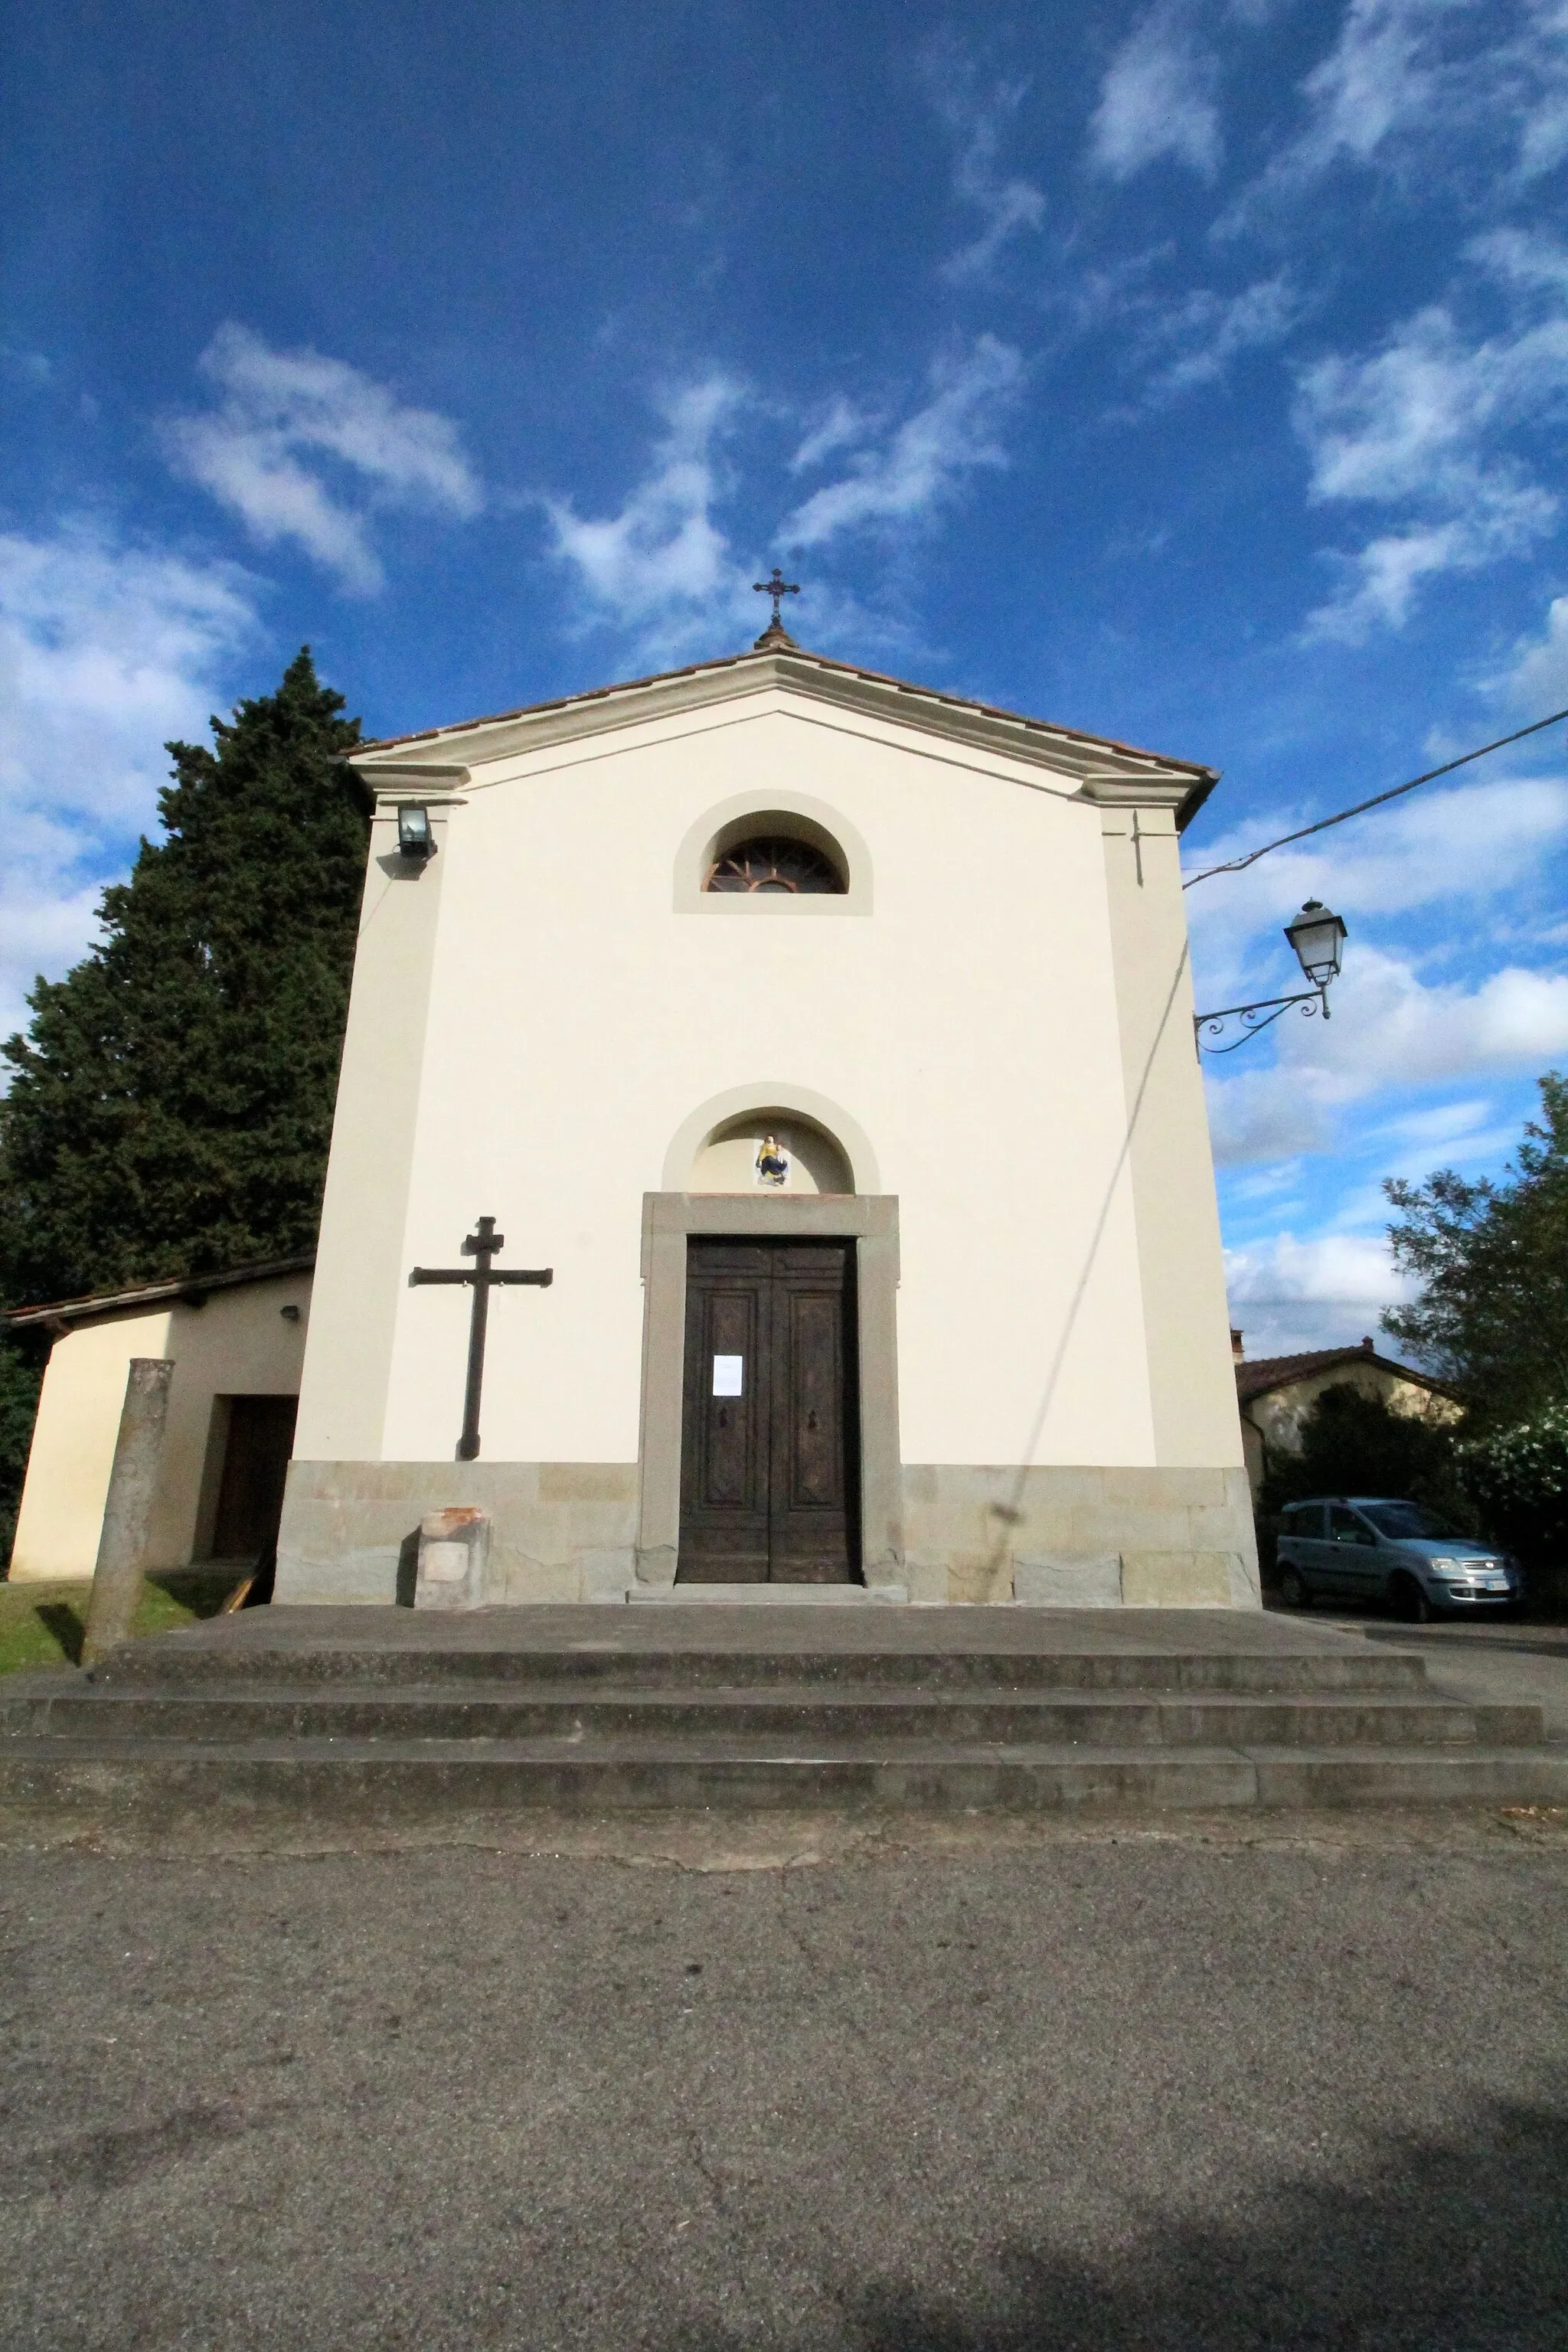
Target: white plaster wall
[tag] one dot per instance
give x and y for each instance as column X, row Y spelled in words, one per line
column 575, row 1020
column 239, row 1344
column 72, row 1450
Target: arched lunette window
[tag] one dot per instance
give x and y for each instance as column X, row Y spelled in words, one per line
column 773, row 863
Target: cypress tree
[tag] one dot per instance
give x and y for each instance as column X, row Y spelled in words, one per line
column 170, row 1104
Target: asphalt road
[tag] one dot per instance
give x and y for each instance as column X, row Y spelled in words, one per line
column 1497, row 1661
column 994, row 2089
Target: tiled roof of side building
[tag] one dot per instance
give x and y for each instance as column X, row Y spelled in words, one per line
column 190, row 1288
column 1257, row 1376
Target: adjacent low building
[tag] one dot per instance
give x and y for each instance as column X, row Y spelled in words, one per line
column 1276, row 1393
column 237, row 1342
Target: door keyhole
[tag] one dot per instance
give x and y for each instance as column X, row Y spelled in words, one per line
column 723, row 1416
column 811, row 1421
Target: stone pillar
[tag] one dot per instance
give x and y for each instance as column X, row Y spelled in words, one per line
column 454, row 1545
column 128, row 1507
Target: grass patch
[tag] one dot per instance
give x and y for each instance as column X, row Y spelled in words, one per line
column 43, row 1624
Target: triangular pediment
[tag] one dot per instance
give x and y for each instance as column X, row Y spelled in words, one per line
column 446, row 758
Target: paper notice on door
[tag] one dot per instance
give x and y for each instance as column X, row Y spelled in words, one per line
column 727, row 1373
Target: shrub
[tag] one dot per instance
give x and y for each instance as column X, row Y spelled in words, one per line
column 1519, row 1478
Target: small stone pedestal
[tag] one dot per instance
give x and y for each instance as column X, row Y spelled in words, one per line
column 453, row 1549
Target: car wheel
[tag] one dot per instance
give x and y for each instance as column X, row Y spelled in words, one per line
column 1294, row 1589
column 1410, row 1604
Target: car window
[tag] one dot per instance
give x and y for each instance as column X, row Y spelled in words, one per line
column 1303, row 1520
column 1402, row 1519
column 1346, row 1528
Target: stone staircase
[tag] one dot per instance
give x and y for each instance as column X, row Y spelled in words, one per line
column 386, row 1716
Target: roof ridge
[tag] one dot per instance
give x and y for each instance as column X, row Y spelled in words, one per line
column 795, row 653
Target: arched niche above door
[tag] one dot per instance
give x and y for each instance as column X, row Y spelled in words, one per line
column 717, row 1149
column 768, row 1150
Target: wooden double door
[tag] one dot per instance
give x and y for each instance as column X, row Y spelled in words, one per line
column 770, row 1453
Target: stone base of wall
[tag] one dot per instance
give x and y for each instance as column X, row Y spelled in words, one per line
column 1080, row 1538
column 559, row 1530
column 567, row 1532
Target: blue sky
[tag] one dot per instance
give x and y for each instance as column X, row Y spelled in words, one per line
column 1196, row 374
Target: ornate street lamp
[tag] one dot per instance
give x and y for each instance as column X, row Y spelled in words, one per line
column 1319, row 940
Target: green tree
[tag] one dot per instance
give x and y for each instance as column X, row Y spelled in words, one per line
column 1353, row 1443
column 171, row 1103
column 21, row 1372
column 1492, row 1315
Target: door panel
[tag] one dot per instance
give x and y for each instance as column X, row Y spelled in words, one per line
column 729, row 1432
column 815, row 1451
column 725, row 1436
column 769, row 1476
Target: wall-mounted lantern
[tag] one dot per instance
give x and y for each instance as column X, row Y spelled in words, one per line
column 1318, row 936
column 415, row 838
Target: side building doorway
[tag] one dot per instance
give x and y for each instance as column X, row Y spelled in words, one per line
column 770, row 1449
column 258, row 1443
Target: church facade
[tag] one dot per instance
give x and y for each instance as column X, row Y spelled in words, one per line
column 829, row 1041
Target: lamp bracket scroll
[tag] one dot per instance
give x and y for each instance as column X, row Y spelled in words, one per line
column 1318, row 936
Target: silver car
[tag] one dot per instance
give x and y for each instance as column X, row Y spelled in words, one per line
column 1375, row 1548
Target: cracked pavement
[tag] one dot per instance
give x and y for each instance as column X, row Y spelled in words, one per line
column 805, row 2081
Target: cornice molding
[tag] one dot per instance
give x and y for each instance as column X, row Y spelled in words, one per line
column 1103, row 770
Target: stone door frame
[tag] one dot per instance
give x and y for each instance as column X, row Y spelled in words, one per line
column 871, row 1221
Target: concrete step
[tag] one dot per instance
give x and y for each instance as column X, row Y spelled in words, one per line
column 511, row 1711
column 766, row 1596
column 385, row 1717
column 288, row 1783
column 370, row 1665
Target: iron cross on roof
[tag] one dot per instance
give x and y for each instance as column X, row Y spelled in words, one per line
column 778, row 587
column 481, row 1247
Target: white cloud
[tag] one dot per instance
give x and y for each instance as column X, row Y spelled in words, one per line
column 977, row 124
column 1210, row 329
column 1383, row 428
column 1378, row 586
column 1384, row 73
column 308, row 448
column 1389, row 1029
column 1443, row 846
column 1158, row 99
column 106, row 651
column 1541, row 62
column 1421, row 423
column 1486, row 854
column 1425, row 89
column 842, row 424
column 1523, row 257
column 911, row 475
column 1326, row 1291
column 1536, row 678
column 662, row 567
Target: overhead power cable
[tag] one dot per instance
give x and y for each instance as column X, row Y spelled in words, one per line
column 1234, row 864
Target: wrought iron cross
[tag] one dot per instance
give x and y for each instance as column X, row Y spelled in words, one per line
column 778, row 587
column 481, row 1246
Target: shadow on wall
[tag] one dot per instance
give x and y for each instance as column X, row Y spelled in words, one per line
column 1441, row 2243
